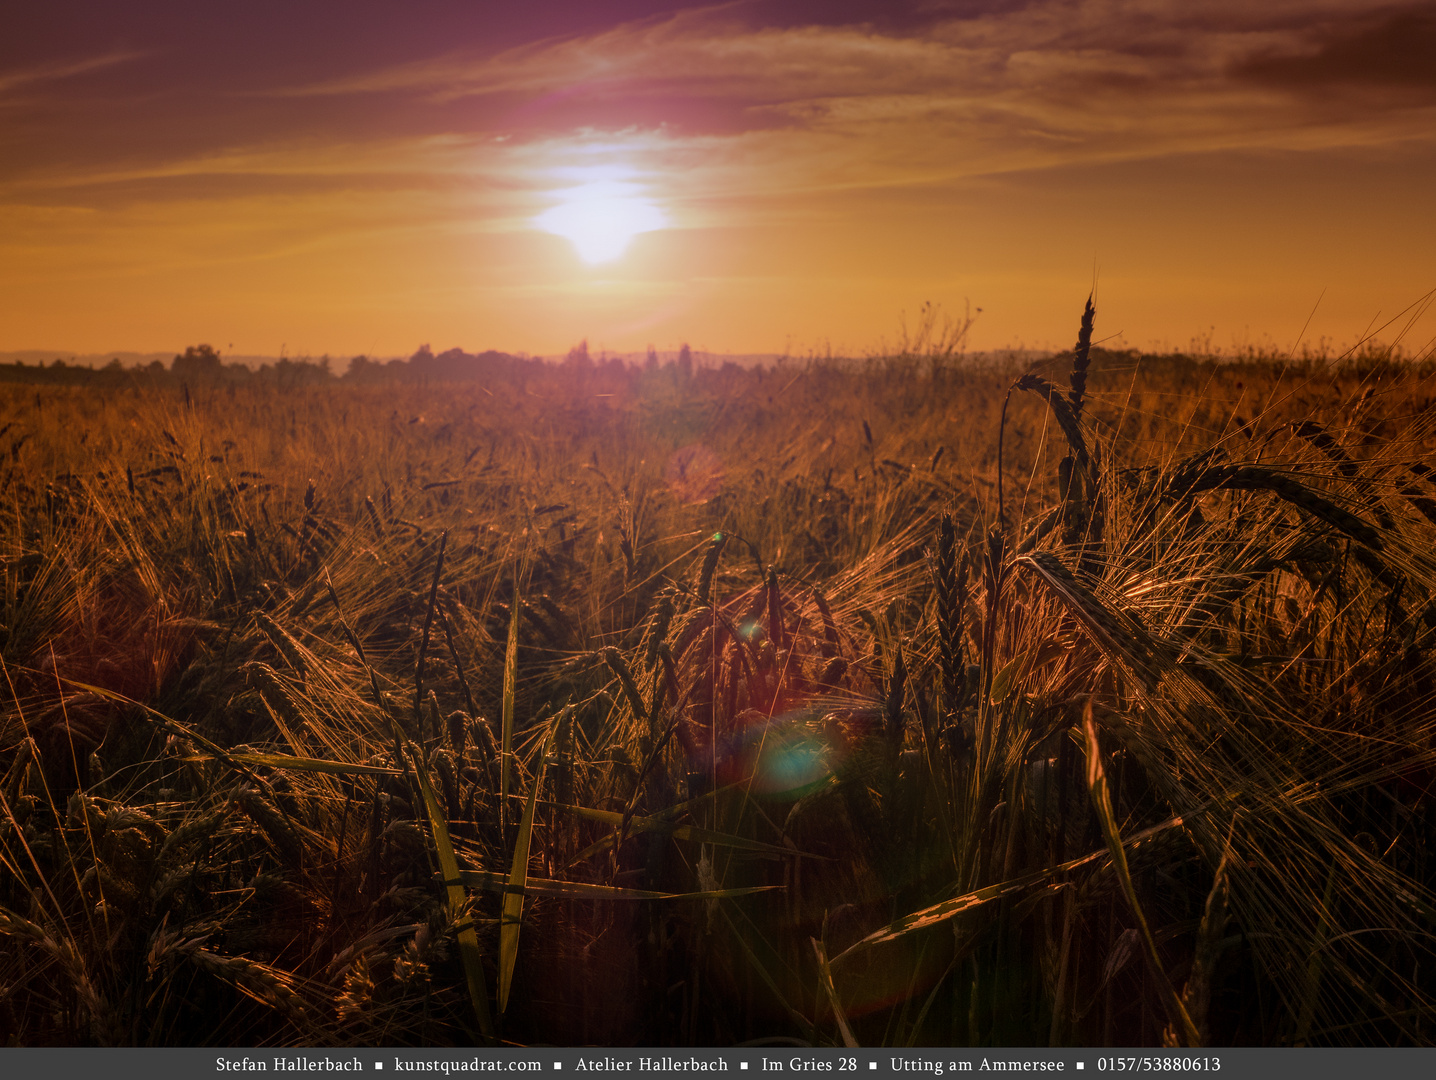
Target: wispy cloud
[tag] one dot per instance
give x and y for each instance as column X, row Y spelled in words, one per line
column 1113, row 49
column 52, row 72
column 1388, row 49
column 1047, row 84
column 801, row 107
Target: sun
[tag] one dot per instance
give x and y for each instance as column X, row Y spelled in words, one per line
column 601, row 218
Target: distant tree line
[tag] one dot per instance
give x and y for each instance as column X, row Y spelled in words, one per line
column 202, row 365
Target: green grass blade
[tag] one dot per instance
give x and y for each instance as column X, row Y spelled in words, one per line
column 511, row 676
column 512, row 920
column 316, row 765
column 1177, row 1013
column 803, row 1023
column 469, row 950
column 575, row 890
column 825, row 980
column 948, row 909
column 916, row 1027
column 169, row 724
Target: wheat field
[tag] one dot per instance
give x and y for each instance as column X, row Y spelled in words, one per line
column 917, row 701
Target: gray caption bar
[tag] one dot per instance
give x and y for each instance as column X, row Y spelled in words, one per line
column 768, row 1061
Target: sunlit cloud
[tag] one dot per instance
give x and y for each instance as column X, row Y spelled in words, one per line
column 832, row 108
column 805, row 109
column 1145, row 62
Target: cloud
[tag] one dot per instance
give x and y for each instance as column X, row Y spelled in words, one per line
column 809, row 108
column 694, row 53
column 721, row 110
column 42, row 73
column 1086, row 73
column 1392, row 49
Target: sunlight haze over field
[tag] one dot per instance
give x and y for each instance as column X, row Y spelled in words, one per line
column 781, row 525
column 749, row 177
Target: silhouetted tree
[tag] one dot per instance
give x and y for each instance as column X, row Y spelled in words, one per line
column 578, row 356
column 199, row 362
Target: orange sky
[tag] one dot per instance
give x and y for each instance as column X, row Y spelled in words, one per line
column 369, row 177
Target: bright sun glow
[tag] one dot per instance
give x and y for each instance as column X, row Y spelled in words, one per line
column 601, row 218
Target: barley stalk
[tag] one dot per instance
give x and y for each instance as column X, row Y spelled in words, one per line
column 1192, row 481
column 284, row 643
column 1080, row 359
column 262, row 982
column 950, row 578
column 1123, row 640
